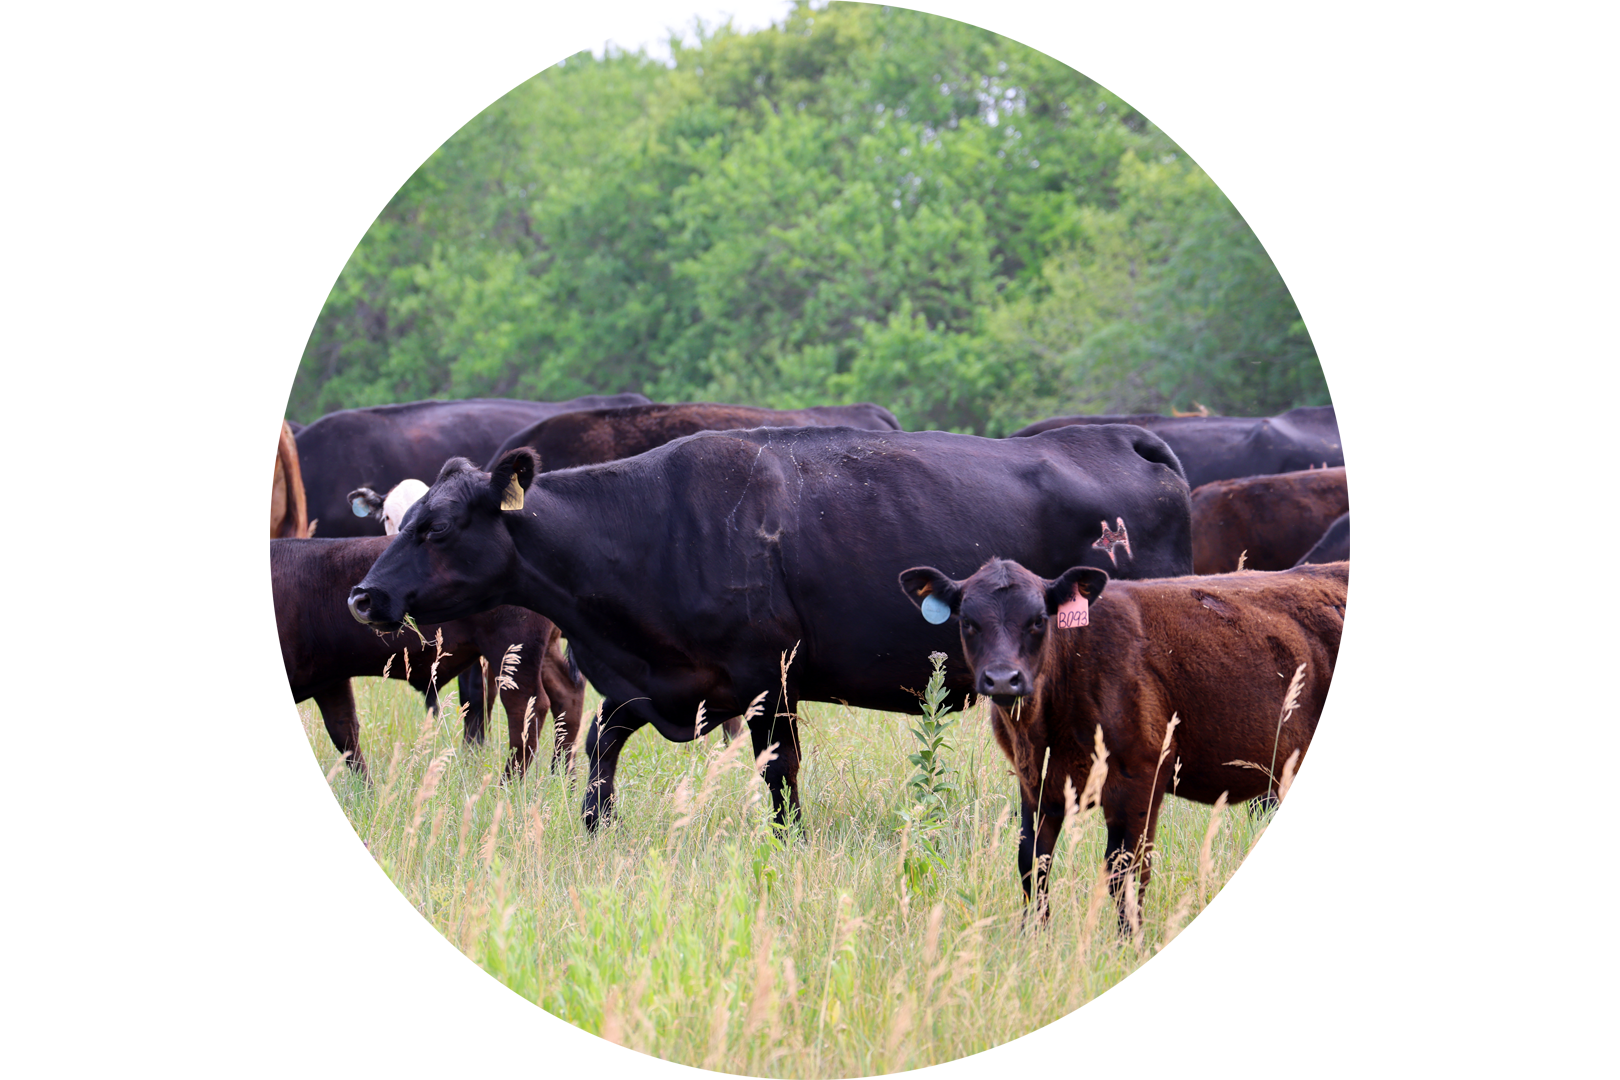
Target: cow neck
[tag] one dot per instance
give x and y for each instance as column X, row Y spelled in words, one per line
column 558, row 536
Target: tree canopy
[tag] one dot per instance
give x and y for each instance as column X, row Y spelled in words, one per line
column 860, row 203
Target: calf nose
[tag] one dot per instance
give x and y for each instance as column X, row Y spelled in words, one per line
column 360, row 604
column 1002, row 682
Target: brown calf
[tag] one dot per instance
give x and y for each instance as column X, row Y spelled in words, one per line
column 288, row 516
column 323, row 648
column 1275, row 519
column 1059, row 660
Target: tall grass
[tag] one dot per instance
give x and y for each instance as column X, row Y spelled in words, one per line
column 689, row 929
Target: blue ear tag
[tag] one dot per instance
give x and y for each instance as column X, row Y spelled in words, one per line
column 935, row 610
column 360, row 508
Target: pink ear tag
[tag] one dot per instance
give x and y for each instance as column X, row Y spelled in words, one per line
column 1074, row 613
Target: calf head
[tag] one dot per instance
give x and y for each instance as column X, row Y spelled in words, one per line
column 1005, row 613
column 454, row 555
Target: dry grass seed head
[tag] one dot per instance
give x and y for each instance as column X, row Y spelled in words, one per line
column 1097, row 775
column 486, row 850
column 1288, row 770
column 1206, row 861
column 335, row 770
column 507, row 679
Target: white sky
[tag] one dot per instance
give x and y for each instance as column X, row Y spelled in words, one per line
column 646, row 24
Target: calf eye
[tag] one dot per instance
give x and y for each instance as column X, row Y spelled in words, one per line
column 969, row 628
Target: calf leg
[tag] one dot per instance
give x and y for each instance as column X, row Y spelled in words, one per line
column 603, row 741
column 565, row 687
column 525, row 711
column 336, row 703
column 1132, row 820
column 1037, row 838
column 782, row 772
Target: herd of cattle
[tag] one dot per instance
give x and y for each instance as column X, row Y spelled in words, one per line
column 686, row 550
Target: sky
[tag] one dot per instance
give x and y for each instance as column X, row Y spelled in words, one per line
column 647, row 25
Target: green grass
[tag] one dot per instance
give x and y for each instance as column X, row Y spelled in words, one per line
column 687, row 930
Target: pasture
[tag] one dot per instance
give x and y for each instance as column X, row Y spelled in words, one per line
column 688, row 930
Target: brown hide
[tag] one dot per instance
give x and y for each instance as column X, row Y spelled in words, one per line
column 1217, row 652
column 289, row 516
column 1275, row 519
column 599, row 435
column 323, row 647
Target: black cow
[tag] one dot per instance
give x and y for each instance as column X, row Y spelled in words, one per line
column 591, row 436
column 323, row 648
column 1224, row 447
column 377, row 447
column 682, row 575
column 1334, row 545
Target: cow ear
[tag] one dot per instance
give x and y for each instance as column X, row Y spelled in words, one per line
column 365, row 502
column 937, row 595
column 1088, row 581
column 512, row 477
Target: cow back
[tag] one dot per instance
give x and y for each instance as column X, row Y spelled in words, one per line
column 1225, row 447
column 379, row 446
column 771, row 538
column 1269, row 521
column 594, row 436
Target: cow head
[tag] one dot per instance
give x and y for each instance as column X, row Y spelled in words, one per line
column 1005, row 612
column 390, row 510
column 454, row 555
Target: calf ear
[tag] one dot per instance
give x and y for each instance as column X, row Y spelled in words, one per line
column 1088, row 580
column 512, row 476
column 365, row 502
column 937, row 595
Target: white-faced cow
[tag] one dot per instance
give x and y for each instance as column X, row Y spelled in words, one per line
column 388, row 509
column 1060, row 658
column 683, row 575
column 379, row 446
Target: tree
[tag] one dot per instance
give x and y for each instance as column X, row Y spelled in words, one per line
column 860, row 203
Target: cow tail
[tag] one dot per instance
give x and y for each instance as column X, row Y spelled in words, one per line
column 573, row 666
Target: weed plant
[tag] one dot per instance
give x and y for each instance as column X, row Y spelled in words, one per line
column 689, row 929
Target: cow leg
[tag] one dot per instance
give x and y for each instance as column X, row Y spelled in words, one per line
column 472, row 693
column 1131, row 818
column 782, row 772
column 1035, row 847
column 565, row 687
column 526, row 708
column 336, row 703
column 603, row 741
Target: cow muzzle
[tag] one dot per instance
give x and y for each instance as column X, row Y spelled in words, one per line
column 1003, row 684
column 369, row 606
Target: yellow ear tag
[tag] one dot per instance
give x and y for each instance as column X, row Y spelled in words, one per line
column 513, row 499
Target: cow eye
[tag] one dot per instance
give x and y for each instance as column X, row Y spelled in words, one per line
column 969, row 627
column 1037, row 624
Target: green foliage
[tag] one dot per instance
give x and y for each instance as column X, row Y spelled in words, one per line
column 861, row 203
column 930, row 787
